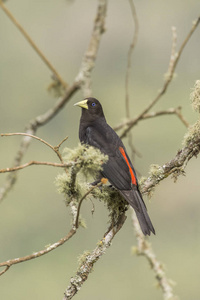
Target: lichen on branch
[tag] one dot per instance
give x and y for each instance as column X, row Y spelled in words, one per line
column 85, row 161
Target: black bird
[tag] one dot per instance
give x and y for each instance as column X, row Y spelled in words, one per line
column 119, row 170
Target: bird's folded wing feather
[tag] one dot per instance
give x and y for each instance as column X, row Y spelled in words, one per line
column 116, row 168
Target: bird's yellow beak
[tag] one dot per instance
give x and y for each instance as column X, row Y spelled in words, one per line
column 82, row 104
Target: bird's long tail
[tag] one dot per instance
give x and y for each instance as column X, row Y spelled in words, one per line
column 134, row 198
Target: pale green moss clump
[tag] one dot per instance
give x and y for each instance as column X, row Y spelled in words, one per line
column 195, row 96
column 64, row 186
column 87, row 158
column 142, row 180
column 83, row 257
column 115, row 203
column 84, row 160
column 193, row 134
column 156, row 172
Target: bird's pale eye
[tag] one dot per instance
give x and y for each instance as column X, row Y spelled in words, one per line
column 93, row 104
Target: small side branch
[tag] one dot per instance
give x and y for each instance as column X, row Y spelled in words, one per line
column 80, row 202
column 55, row 149
column 86, row 266
column 130, row 52
column 33, row 45
column 32, row 163
column 128, row 71
column 170, row 111
column 52, row 247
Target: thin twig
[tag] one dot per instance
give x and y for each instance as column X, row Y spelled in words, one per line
column 34, row 162
column 84, row 76
column 58, row 146
column 81, row 200
column 180, row 116
column 5, row 270
column 173, row 52
column 14, row 261
column 128, row 71
column 130, row 52
column 167, row 80
column 169, row 111
column 29, row 135
column 33, row 45
column 55, row 149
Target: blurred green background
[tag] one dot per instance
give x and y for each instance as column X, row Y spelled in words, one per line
column 33, row 214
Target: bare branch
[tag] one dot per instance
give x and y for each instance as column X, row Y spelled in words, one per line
column 167, row 80
column 33, row 45
column 84, row 76
column 55, row 149
column 128, row 70
column 58, row 146
column 180, row 116
column 169, row 111
column 49, row 248
column 29, row 135
column 144, row 248
column 130, row 52
column 5, row 270
column 34, row 162
column 173, row 53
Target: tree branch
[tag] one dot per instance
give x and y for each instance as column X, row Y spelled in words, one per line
column 170, row 111
column 128, row 71
column 176, row 165
column 172, row 65
column 34, row 162
column 144, row 248
column 84, row 76
column 90, row 259
column 14, row 261
column 54, row 148
column 130, row 52
column 33, row 45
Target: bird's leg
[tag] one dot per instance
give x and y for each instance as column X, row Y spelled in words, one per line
column 95, row 182
column 98, row 179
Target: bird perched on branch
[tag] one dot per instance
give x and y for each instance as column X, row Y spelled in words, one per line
column 119, row 170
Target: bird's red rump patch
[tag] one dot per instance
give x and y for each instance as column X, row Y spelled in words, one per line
column 133, row 179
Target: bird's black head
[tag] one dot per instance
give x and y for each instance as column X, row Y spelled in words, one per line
column 91, row 109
